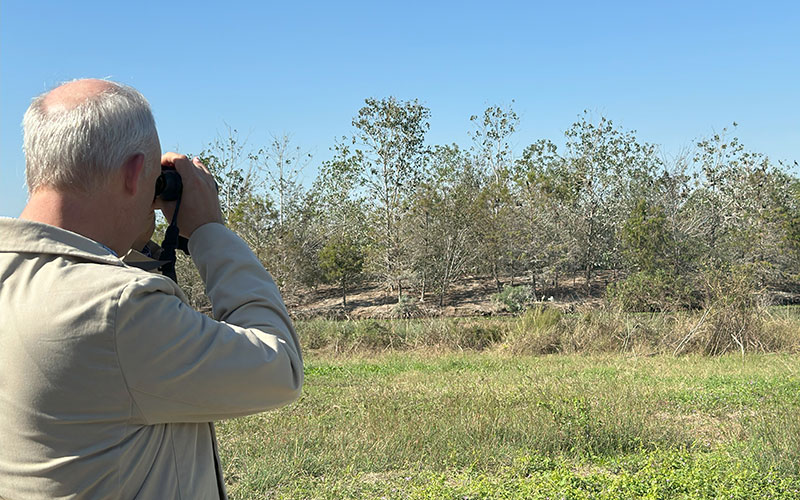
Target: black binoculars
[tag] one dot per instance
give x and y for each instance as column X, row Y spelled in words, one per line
column 169, row 185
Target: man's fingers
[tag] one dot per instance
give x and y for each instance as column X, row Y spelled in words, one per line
column 200, row 199
column 170, row 158
column 200, row 164
column 181, row 163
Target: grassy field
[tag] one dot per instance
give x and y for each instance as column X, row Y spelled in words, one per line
column 464, row 425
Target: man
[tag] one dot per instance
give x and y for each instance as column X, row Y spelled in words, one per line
column 109, row 382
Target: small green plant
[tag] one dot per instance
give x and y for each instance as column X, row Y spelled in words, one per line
column 513, row 299
column 406, row 308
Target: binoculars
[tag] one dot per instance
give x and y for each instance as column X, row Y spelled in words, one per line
column 169, row 185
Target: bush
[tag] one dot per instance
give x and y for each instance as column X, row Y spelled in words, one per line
column 736, row 318
column 652, row 291
column 479, row 335
column 513, row 299
column 406, row 308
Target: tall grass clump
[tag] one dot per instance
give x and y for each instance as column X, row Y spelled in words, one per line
column 736, row 313
column 775, row 439
column 546, row 330
column 369, row 335
column 538, row 330
column 730, row 323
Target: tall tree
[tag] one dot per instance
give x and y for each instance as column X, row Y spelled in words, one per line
column 443, row 220
column 543, row 204
column 389, row 140
column 291, row 244
column 492, row 155
column 606, row 168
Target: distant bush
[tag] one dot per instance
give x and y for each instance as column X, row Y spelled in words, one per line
column 736, row 312
column 406, row 308
column 652, row 291
column 513, row 299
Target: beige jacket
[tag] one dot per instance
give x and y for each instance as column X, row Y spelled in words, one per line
column 109, row 381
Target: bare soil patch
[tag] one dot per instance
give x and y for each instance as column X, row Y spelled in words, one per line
column 471, row 296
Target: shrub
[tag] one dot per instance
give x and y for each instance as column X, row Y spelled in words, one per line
column 736, row 312
column 513, row 299
column 479, row 335
column 406, row 308
column 652, row 291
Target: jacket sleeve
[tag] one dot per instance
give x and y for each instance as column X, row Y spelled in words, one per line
column 182, row 366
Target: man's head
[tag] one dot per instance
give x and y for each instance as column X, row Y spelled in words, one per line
column 78, row 135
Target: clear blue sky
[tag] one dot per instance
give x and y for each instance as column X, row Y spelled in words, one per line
column 673, row 71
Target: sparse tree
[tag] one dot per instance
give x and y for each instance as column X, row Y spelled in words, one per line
column 389, row 150
column 492, row 154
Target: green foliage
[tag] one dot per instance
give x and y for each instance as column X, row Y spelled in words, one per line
column 775, row 440
column 645, row 239
column 341, row 261
column 406, row 307
column 513, row 298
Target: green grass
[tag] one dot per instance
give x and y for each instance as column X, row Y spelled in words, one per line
column 488, row 424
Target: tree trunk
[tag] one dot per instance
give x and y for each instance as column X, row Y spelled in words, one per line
column 588, row 276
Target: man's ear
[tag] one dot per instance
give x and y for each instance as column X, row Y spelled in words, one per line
column 132, row 169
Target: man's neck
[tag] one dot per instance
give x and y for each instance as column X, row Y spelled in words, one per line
column 93, row 218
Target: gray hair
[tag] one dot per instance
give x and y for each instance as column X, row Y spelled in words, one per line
column 79, row 148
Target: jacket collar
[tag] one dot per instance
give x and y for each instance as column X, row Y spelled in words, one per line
column 24, row 236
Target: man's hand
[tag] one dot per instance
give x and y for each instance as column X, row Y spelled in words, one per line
column 199, row 201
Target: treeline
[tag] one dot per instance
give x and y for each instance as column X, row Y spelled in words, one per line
column 672, row 233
